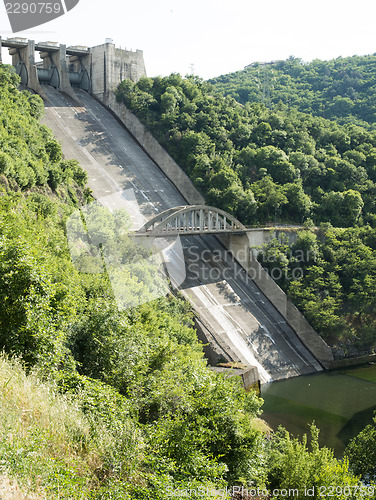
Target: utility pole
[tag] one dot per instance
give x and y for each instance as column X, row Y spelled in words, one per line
column 266, row 86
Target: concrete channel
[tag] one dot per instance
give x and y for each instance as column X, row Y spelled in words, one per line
column 232, row 311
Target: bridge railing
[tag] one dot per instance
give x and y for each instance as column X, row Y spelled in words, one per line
column 192, row 219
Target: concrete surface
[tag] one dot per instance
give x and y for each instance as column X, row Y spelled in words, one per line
column 109, row 66
column 248, row 374
column 239, row 246
column 152, row 147
column 105, row 65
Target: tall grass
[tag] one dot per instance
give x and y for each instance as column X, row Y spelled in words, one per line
column 47, row 444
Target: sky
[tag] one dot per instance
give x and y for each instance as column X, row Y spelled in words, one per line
column 210, row 38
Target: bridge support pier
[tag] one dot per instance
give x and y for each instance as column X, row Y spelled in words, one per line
column 79, row 70
column 239, row 246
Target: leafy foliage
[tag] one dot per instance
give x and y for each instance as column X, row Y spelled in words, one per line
column 139, row 414
column 330, row 275
column 311, row 473
column 141, row 368
column 361, row 452
column 261, row 165
column 29, row 153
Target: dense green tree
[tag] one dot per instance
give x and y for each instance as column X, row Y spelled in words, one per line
column 165, row 422
column 29, row 154
column 342, row 208
column 340, row 89
column 269, row 197
column 299, row 470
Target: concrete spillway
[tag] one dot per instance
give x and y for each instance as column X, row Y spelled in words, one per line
column 227, row 301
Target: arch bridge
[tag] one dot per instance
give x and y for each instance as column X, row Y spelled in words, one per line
column 191, row 219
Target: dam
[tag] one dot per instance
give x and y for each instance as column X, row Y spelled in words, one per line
column 240, row 313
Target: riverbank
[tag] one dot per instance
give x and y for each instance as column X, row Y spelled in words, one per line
column 351, row 362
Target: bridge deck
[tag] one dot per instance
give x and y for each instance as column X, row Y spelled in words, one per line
column 19, row 43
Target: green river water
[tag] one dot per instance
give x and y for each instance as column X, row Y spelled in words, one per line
column 340, row 402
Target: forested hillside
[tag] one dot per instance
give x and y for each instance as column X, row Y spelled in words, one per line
column 102, row 403
column 277, row 165
column 30, row 157
column 262, row 165
column 341, row 89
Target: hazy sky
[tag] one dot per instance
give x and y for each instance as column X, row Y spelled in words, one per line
column 216, row 37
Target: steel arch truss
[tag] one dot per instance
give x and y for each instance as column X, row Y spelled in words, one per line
column 191, row 219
